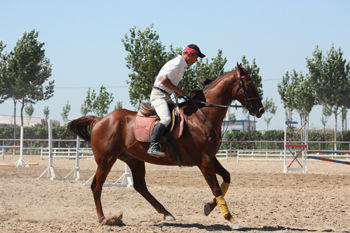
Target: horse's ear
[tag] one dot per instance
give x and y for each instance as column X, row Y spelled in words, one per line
column 239, row 68
column 205, row 81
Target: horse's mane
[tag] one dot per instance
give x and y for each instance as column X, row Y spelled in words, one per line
column 215, row 81
column 196, row 93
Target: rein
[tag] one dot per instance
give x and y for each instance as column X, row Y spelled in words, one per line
column 215, row 105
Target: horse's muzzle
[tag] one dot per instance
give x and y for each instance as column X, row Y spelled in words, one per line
column 257, row 112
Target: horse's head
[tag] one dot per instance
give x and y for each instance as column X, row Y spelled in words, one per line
column 246, row 93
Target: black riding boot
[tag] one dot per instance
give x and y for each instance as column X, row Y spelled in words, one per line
column 154, row 147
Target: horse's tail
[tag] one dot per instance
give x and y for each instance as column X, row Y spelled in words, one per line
column 83, row 126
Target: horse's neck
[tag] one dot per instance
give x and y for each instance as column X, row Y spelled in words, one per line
column 214, row 114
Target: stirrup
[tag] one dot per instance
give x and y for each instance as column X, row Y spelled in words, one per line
column 154, row 151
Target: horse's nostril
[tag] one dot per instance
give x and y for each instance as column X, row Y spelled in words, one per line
column 261, row 110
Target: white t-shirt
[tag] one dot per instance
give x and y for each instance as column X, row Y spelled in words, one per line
column 173, row 70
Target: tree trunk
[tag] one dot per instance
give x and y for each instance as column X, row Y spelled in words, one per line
column 335, row 126
column 14, row 119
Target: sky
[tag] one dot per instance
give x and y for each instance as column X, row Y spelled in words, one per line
column 83, row 42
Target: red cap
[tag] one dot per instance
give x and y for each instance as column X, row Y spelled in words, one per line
column 192, row 48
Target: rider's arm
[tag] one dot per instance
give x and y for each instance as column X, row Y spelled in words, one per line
column 167, row 83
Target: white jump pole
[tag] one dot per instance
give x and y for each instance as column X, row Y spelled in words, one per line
column 76, row 170
column 125, row 180
column 50, row 170
column 21, row 162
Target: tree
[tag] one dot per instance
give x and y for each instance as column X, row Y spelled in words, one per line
column 286, row 89
column 344, row 111
column 97, row 104
column 232, row 117
column 46, row 112
column 119, row 105
column 29, row 109
column 2, row 72
column 65, row 112
column 25, row 73
column 326, row 113
column 145, row 58
column 330, row 80
column 304, row 98
column 84, row 110
column 270, row 108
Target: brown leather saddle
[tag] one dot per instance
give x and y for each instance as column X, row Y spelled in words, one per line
column 147, row 117
column 148, row 111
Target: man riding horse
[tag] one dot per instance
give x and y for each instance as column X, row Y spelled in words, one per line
column 166, row 83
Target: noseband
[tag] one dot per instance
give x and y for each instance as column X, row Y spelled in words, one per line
column 247, row 101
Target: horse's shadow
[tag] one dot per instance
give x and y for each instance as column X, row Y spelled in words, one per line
column 218, row 227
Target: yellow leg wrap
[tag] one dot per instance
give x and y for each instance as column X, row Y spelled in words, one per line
column 224, row 188
column 222, row 204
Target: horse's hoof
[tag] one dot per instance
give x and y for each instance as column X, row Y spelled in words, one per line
column 236, row 226
column 169, row 217
column 207, row 209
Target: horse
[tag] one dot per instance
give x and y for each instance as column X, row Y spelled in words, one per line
column 112, row 137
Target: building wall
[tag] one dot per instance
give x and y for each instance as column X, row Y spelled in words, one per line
column 9, row 120
column 238, row 125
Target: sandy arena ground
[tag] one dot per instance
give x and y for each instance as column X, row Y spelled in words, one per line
column 260, row 197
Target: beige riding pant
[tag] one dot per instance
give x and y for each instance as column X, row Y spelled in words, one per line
column 160, row 103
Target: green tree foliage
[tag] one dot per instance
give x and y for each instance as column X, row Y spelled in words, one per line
column 330, row 79
column 145, row 58
column 232, row 117
column 304, row 98
column 46, row 112
column 2, row 72
column 270, row 109
column 99, row 105
column 65, row 111
column 24, row 73
column 286, row 89
column 119, row 105
column 29, row 110
column 326, row 113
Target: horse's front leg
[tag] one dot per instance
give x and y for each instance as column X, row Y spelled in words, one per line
column 208, row 170
column 221, row 171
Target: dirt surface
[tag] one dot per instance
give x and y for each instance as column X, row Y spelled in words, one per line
column 260, row 197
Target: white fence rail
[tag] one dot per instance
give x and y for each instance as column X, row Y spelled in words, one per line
column 222, row 155
column 66, row 153
column 260, row 155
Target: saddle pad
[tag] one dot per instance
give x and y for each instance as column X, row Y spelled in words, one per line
column 143, row 125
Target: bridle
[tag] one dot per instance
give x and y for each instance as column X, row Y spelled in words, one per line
column 247, row 101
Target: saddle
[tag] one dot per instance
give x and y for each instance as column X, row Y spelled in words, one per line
column 147, row 118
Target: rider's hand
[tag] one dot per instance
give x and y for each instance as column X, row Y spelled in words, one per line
column 180, row 93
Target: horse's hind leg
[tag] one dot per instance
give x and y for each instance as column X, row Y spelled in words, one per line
column 138, row 173
column 103, row 168
column 221, row 171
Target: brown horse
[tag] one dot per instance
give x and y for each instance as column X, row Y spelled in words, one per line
column 112, row 137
